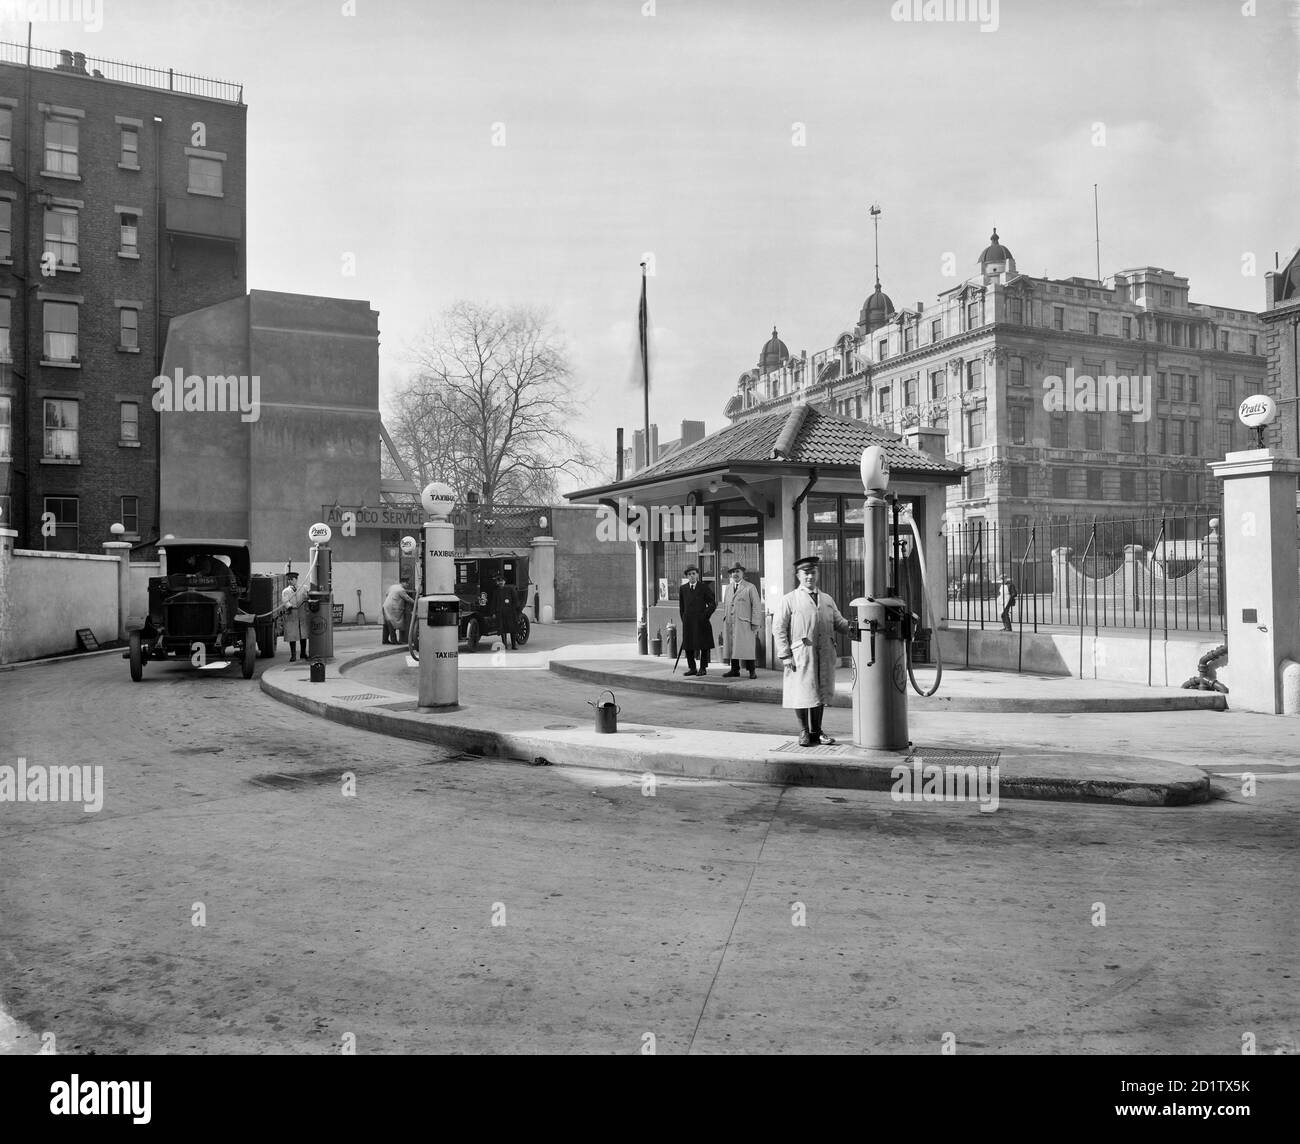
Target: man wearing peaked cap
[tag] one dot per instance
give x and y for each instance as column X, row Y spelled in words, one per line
column 804, row 630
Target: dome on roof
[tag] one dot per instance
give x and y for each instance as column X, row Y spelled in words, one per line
column 773, row 354
column 995, row 251
column 876, row 311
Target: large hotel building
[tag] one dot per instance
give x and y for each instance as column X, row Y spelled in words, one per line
column 976, row 364
column 121, row 206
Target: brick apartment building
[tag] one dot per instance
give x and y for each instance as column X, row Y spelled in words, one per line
column 122, row 204
column 975, row 365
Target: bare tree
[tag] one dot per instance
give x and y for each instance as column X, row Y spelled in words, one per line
column 491, row 406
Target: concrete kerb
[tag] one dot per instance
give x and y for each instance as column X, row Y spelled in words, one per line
column 631, row 676
column 718, row 755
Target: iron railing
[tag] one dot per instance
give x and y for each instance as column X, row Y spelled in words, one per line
column 1161, row 573
column 164, row 79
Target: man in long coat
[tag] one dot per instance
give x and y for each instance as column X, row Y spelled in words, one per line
column 741, row 613
column 804, row 630
column 696, row 605
column 506, row 609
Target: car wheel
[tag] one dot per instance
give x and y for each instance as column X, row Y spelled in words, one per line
column 266, row 641
column 249, row 664
column 137, row 657
column 473, row 632
column 522, row 630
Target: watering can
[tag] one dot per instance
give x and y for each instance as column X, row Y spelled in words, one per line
column 606, row 714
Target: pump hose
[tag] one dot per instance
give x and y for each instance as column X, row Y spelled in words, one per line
column 300, row 594
column 925, row 591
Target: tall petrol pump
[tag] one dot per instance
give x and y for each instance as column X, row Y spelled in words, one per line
column 320, row 597
column 885, row 626
column 438, row 609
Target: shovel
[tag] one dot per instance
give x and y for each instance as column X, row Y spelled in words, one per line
column 361, row 616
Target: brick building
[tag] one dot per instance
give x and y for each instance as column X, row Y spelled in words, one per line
column 122, row 204
column 978, row 363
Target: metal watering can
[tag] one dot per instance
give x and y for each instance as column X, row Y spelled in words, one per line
column 606, row 714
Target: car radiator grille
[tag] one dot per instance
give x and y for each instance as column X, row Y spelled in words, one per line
column 192, row 618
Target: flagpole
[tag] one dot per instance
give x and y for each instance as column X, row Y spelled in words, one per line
column 643, row 321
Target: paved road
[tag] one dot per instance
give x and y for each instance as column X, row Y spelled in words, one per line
column 624, row 915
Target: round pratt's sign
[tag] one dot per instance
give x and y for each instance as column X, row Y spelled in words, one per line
column 408, row 545
column 438, row 499
column 1257, row 410
column 319, row 533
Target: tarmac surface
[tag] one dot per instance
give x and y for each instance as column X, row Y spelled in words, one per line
column 1056, row 738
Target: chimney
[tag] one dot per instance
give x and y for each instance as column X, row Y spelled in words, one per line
column 692, row 431
column 638, row 450
column 654, row 444
column 65, row 59
column 79, row 62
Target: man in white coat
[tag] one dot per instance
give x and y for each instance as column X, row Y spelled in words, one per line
column 741, row 612
column 804, row 629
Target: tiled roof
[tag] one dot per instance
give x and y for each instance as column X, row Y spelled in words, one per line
column 823, row 439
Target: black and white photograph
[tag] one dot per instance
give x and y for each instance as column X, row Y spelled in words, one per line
column 595, row 528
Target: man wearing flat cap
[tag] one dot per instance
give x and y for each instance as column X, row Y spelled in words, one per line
column 741, row 611
column 804, row 629
column 696, row 604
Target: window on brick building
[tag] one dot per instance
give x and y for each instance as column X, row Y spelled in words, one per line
column 1016, row 423
column 1093, row 321
column 6, row 430
column 974, row 314
column 975, row 484
column 128, row 328
column 60, row 331
column 886, row 400
column 909, row 337
column 936, row 330
column 6, row 137
column 1058, row 317
column 129, row 515
column 128, row 233
column 6, row 230
column 61, row 230
column 1193, row 387
column 1092, row 431
column 938, row 384
column 1223, row 340
column 1016, row 369
column 129, row 421
column 5, row 352
column 63, row 511
column 1016, row 310
column 1162, row 387
column 60, row 429
column 1125, row 433
column 1175, row 387
column 1176, row 437
column 1128, row 327
column 130, row 150
column 911, row 388
column 975, row 428
column 61, row 145
column 1060, row 432
column 882, row 349
column 205, row 176
column 975, row 374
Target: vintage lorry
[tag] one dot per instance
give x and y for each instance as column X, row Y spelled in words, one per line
column 209, row 607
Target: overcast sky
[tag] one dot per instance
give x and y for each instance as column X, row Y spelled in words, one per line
column 678, row 133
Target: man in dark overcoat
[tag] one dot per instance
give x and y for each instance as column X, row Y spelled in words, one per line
column 696, row 604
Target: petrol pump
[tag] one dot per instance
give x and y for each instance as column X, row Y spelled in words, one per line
column 438, row 610
column 320, row 597
column 885, row 626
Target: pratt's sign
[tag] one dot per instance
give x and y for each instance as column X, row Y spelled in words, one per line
column 1258, row 409
column 319, row 533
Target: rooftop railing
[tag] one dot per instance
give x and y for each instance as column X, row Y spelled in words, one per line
column 161, row 79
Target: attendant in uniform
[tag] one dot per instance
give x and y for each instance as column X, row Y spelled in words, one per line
column 741, row 609
column 804, row 630
column 696, row 604
column 297, row 620
column 506, row 610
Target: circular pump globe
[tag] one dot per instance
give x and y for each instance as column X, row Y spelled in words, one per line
column 438, row 499
column 117, row 529
column 409, row 545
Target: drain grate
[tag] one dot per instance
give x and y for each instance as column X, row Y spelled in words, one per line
column 364, row 695
column 939, row 756
column 793, row 747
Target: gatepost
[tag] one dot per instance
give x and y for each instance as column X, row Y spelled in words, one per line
column 1259, row 566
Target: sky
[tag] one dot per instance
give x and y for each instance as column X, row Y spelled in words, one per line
column 533, row 152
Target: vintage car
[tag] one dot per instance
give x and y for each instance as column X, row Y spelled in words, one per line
column 476, row 590
column 209, row 597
